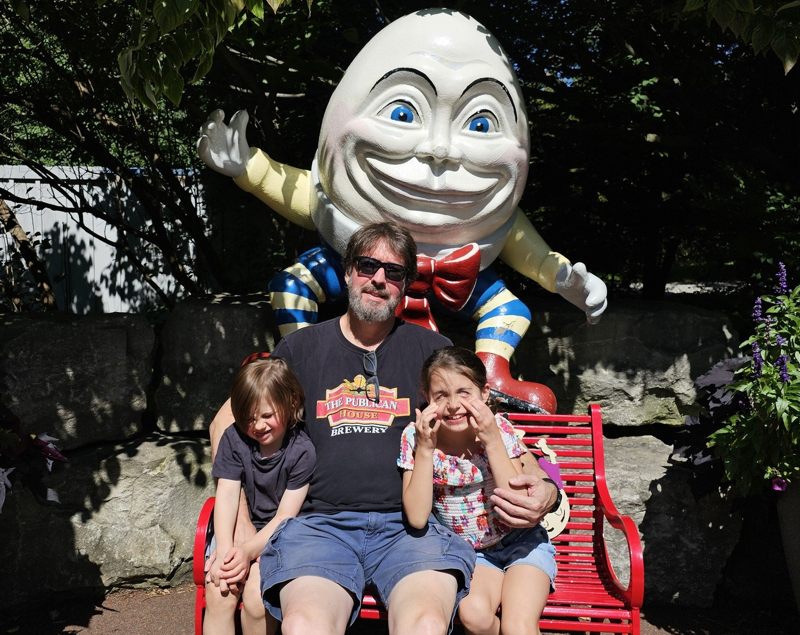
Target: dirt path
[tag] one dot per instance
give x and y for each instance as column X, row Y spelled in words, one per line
column 171, row 611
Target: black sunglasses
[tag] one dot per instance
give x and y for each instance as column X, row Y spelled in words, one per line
column 369, row 267
column 371, row 369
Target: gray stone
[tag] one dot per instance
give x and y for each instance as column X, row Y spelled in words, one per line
column 127, row 518
column 129, row 510
column 686, row 542
column 79, row 379
column 203, row 345
column 639, row 362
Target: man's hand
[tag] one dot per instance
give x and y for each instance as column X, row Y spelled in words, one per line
column 527, row 503
column 583, row 289
column 224, row 148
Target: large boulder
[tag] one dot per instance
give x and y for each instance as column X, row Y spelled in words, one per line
column 127, row 518
column 686, row 542
column 639, row 362
column 79, row 379
column 203, row 344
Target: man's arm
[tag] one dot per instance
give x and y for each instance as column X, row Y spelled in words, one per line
column 531, row 498
column 221, row 422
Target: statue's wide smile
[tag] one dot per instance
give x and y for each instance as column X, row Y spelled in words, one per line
column 423, row 182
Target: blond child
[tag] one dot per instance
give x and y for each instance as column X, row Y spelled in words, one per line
column 271, row 460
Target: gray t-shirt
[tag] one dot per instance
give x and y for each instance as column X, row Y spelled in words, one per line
column 264, row 480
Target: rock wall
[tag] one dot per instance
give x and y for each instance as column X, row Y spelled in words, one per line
column 131, row 410
column 81, row 379
column 125, row 518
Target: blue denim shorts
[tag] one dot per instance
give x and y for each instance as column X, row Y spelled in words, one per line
column 522, row 546
column 360, row 549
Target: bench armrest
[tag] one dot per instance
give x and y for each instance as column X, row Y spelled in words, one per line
column 634, row 593
column 202, row 536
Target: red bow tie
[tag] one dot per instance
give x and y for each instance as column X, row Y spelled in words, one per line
column 451, row 279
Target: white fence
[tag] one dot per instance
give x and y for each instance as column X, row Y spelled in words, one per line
column 88, row 275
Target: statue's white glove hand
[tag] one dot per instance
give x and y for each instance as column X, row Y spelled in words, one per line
column 224, row 148
column 583, row 289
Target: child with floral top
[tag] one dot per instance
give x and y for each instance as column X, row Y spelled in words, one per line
column 464, row 449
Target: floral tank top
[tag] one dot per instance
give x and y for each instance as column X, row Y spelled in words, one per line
column 461, row 487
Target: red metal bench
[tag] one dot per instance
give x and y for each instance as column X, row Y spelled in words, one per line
column 588, row 596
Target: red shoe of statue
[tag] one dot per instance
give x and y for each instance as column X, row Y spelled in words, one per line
column 517, row 396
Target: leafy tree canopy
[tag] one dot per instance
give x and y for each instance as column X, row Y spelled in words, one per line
column 663, row 147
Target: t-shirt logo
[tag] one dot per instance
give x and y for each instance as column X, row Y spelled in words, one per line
column 349, row 410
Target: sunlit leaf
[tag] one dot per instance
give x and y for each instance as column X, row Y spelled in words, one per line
column 788, row 5
column 170, row 13
column 173, row 51
column 147, row 96
column 787, row 47
column 172, row 83
column 275, row 4
column 256, row 7
column 150, row 35
column 206, row 60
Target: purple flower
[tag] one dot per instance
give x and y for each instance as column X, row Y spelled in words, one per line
column 781, row 366
column 781, row 276
column 758, row 361
column 780, row 341
column 757, row 311
column 779, row 484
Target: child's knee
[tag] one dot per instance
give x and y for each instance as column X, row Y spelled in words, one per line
column 252, row 601
column 476, row 615
column 219, row 602
column 254, row 608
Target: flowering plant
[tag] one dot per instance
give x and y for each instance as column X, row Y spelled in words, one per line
column 760, row 441
column 25, row 458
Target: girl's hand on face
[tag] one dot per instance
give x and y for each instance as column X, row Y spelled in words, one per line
column 427, row 425
column 481, row 418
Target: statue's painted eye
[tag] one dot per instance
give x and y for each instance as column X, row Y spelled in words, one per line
column 480, row 123
column 403, row 114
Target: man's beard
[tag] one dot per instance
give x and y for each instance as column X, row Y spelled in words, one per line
column 363, row 309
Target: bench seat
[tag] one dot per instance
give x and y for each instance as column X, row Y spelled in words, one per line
column 589, row 597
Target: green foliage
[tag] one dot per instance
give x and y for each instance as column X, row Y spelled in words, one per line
column 662, row 149
column 761, row 440
column 18, row 291
column 656, row 143
column 168, row 37
column 62, row 105
column 767, row 25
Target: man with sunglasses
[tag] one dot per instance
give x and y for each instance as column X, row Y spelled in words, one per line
column 360, row 373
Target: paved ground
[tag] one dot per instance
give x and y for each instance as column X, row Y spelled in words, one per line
column 171, row 611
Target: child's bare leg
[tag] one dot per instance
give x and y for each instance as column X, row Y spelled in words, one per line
column 525, row 591
column 478, row 611
column 255, row 619
column 220, row 609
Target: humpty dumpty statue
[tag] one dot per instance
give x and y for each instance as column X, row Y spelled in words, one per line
column 427, row 128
